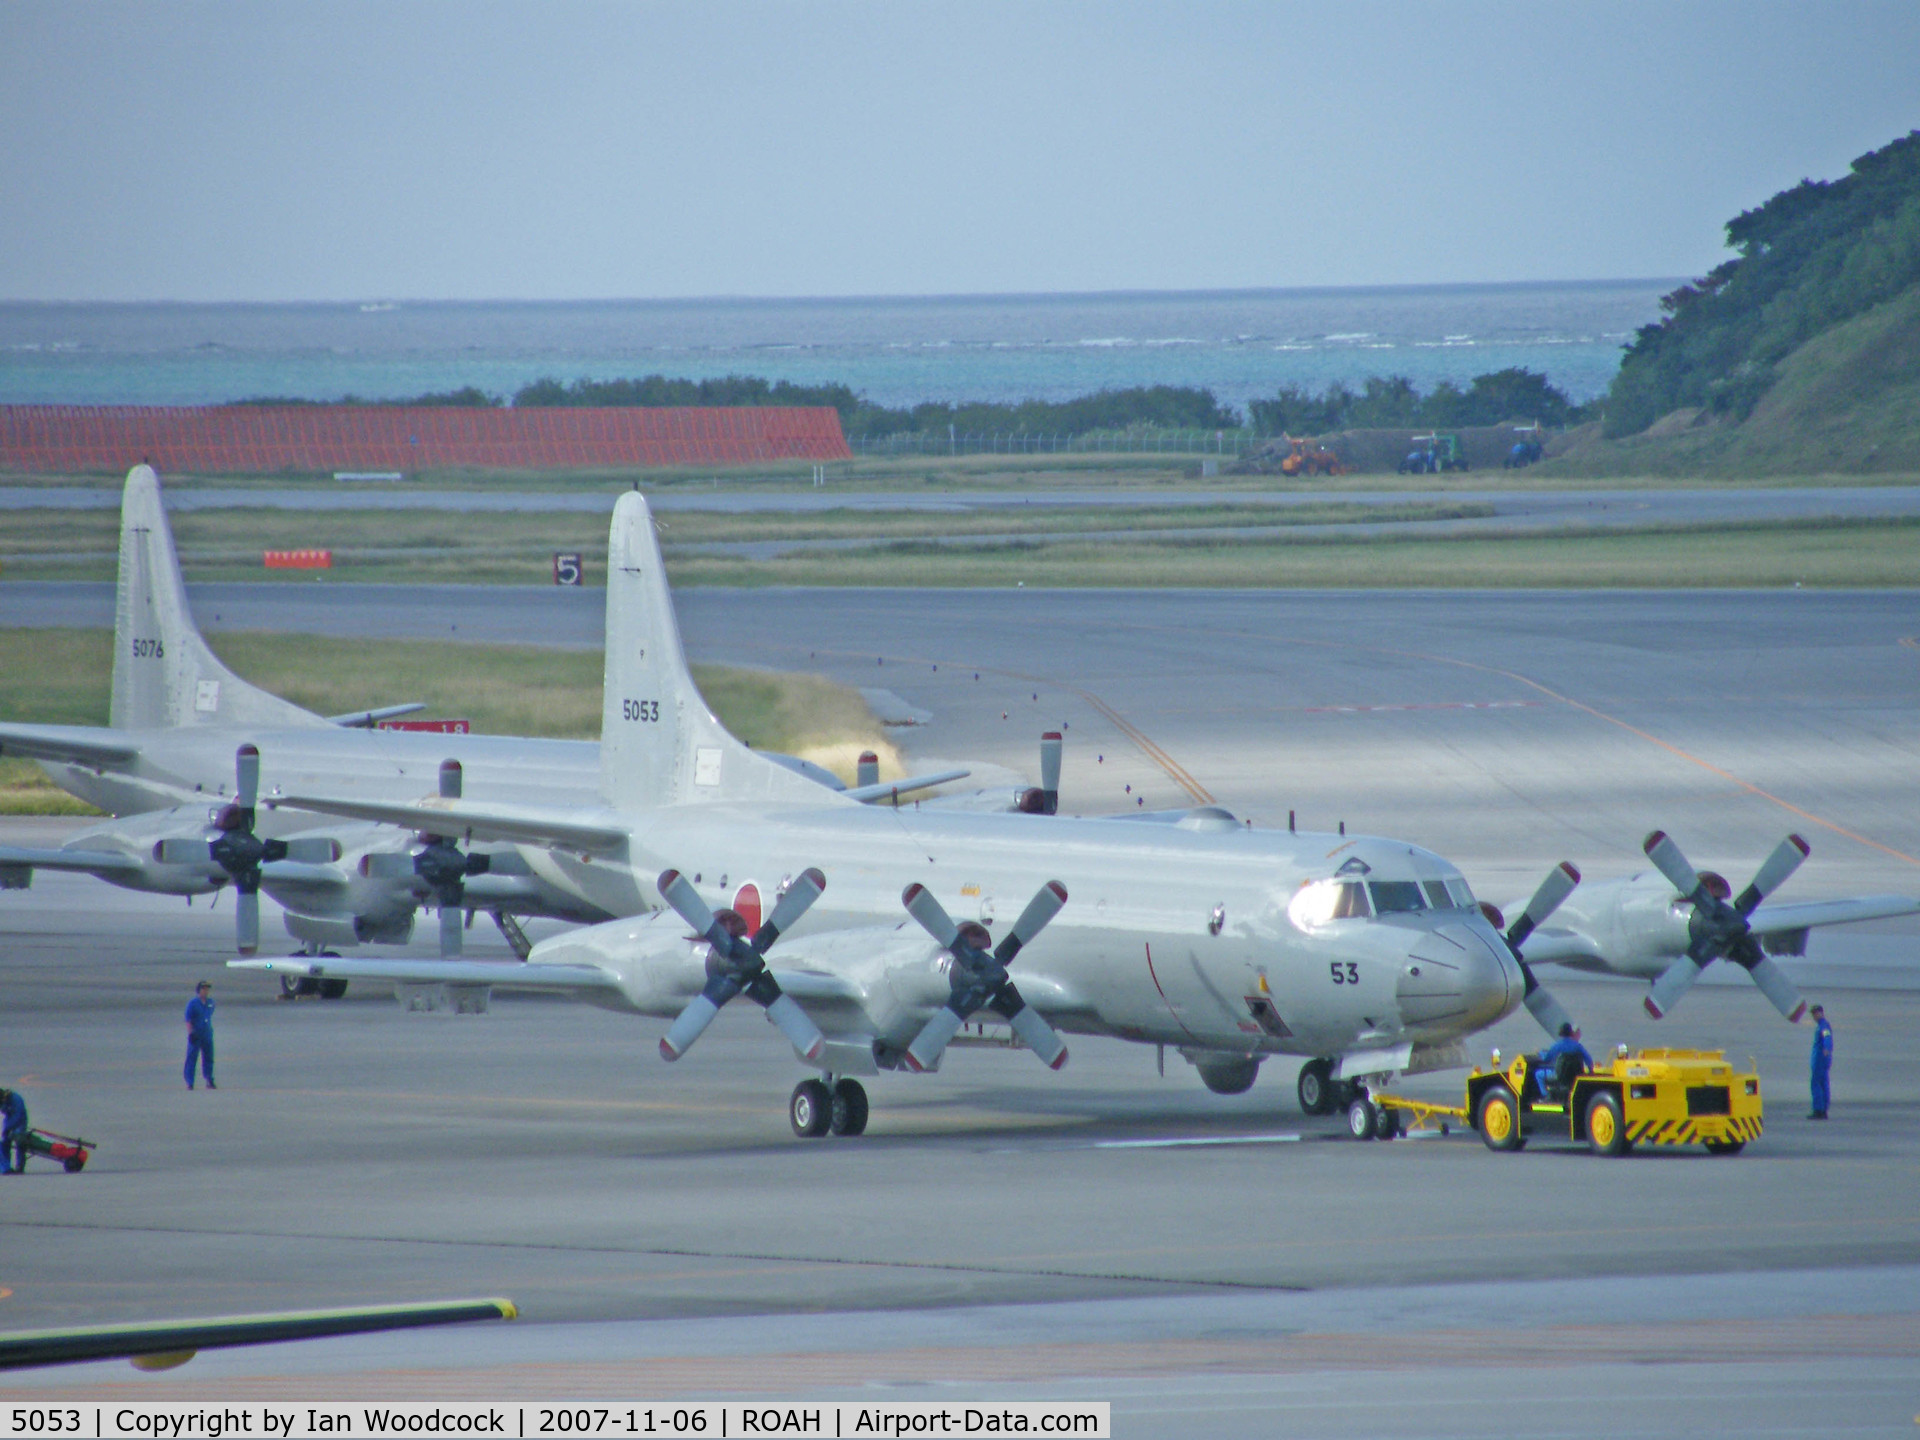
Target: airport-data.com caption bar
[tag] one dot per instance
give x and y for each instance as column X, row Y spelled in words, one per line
column 304, row 1420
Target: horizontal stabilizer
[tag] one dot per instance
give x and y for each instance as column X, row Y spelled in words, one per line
column 367, row 719
column 887, row 789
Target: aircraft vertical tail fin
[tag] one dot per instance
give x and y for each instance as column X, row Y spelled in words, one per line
column 659, row 743
column 164, row 676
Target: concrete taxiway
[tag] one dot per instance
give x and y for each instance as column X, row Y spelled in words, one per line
column 1003, row 1232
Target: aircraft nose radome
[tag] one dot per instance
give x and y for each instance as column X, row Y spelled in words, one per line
column 1457, row 979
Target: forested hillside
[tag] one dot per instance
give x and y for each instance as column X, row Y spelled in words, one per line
column 1811, row 259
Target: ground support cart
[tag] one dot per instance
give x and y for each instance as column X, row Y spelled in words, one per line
column 1642, row 1097
column 71, row 1151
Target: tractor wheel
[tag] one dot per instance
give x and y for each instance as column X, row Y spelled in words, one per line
column 1606, row 1130
column 1725, row 1147
column 1363, row 1118
column 1499, row 1119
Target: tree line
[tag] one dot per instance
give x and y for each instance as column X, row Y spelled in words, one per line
column 1390, row 402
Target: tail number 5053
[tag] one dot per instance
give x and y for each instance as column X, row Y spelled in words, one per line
column 647, row 712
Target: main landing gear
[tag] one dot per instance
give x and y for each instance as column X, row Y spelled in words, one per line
column 827, row 1106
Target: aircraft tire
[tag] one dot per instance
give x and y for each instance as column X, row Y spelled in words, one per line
column 332, row 989
column 849, row 1108
column 1499, row 1120
column 810, row 1110
column 1363, row 1118
column 1315, row 1088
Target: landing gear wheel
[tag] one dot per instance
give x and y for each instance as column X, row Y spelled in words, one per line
column 849, row 1108
column 1499, row 1119
column 332, row 989
column 1725, row 1147
column 1363, row 1119
column 1316, row 1087
column 810, row 1109
column 293, row 987
column 1388, row 1127
column 1606, row 1130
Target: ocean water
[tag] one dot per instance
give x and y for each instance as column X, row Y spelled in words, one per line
column 1240, row 344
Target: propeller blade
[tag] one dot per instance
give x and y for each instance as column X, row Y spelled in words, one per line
column 1673, row 983
column 1785, row 859
column 927, row 1046
column 867, row 772
column 1540, row 1004
column 449, row 931
column 246, row 921
column 246, row 776
column 801, row 894
column 450, row 779
column 679, row 893
column 1050, row 745
column 1039, row 1036
column 1043, row 907
column 1778, row 989
column 1668, row 860
column 794, row 1023
column 688, row 1027
column 1547, row 899
column 932, row 916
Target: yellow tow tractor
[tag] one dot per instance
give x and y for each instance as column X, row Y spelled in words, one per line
column 1645, row 1097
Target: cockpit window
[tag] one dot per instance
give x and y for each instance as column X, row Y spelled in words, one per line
column 1397, row 897
column 1352, row 904
column 1319, row 901
column 1461, row 894
column 1437, row 894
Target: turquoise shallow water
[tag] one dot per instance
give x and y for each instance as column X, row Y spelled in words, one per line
column 1240, row 344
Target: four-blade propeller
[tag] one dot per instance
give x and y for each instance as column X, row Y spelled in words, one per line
column 240, row 852
column 738, row 965
column 1547, row 899
column 979, row 977
column 1718, row 929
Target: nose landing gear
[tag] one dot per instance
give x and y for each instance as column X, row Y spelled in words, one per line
column 827, row 1106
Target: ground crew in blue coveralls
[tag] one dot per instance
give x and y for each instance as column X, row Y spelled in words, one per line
column 13, row 1133
column 1822, row 1063
column 200, row 1033
column 1567, row 1044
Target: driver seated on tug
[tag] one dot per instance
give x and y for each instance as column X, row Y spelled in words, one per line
column 1556, row 1067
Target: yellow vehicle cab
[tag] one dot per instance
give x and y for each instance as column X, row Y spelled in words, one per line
column 1643, row 1097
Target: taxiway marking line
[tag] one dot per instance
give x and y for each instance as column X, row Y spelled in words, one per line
column 1196, row 1140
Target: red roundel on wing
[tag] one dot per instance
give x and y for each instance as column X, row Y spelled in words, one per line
column 747, row 902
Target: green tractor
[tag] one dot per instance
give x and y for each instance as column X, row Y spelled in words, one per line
column 1433, row 454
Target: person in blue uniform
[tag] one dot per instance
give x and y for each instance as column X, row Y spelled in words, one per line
column 13, row 1132
column 200, row 1033
column 1822, row 1063
column 1549, row 1060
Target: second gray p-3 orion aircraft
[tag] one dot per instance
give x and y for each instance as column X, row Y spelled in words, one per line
column 900, row 931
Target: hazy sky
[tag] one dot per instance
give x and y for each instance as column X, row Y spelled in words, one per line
column 303, row 150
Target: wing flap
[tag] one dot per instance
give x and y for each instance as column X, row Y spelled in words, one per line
column 1805, row 914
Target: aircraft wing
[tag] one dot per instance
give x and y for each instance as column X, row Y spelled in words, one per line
column 510, row 974
column 1804, row 914
column 573, row 829
column 887, row 789
column 1557, row 945
column 84, row 744
column 94, row 862
column 162, row 1344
